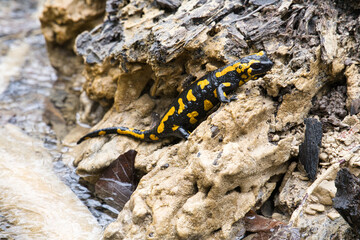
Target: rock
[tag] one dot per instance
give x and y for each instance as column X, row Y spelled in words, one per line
column 323, row 156
column 171, row 5
column 199, row 191
column 292, row 193
column 331, row 108
column 325, row 192
column 63, row 20
column 317, row 207
column 347, row 199
column 33, row 198
column 352, row 74
column 333, row 215
column 319, row 226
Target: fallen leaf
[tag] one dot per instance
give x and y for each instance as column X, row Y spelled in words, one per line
column 117, row 182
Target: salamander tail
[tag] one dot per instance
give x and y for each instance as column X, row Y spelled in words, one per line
column 144, row 135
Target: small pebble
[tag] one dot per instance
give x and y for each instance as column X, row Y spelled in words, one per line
column 165, row 166
column 276, row 138
column 317, row 207
column 310, row 211
column 333, row 215
column 323, row 156
column 313, row 198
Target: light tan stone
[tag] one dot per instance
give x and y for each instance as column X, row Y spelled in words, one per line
column 325, row 192
column 317, row 207
column 333, row 215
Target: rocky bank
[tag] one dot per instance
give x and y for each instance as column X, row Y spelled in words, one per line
column 137, row 56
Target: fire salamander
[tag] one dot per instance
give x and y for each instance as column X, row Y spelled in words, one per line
column 193, row 104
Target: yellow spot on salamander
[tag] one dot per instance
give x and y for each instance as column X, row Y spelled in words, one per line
column 261, row 53
column 241, row 82
column 227, row 84
column 102, row 133
column 153, row 137
column 181, row 105
column 161, row 126
column 190, row 96
column 175, row 127
column 243, row 76
column 130, row 132
column 193, row 116
column 227, row 69
column 203, row 83
column 215, row 93
column 87, row 138
column 207, row 105
column 242, row 68
column 249, row 71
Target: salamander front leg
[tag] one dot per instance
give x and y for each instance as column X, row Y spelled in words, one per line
column 221, row 95
column 181, row 132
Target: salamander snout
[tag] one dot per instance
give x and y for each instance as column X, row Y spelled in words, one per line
column 259, row 64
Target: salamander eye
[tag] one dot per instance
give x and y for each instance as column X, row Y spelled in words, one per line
column 256, row 65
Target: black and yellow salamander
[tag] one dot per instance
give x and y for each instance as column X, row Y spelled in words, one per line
column 193, row 104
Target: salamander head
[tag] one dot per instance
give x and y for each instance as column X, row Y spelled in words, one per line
column 254, row 66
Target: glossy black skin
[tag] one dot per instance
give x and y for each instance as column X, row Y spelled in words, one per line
column 258, row 64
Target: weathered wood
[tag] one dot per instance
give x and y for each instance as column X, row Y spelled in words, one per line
column 309, row 149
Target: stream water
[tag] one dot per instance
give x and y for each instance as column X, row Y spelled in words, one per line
column 26, row 84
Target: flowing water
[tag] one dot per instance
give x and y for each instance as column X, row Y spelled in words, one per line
column 27, row 83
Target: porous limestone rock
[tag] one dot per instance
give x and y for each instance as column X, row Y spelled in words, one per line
column 212, row 179
column 63, row 20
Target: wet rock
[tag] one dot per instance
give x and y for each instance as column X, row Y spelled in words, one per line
column 53, row 117
column 309, row 149
column 347, row 199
